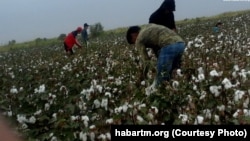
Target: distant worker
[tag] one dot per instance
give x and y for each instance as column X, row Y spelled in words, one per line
column 164, row 15
column 217, row 27
column 85, row 34
column 71, row 40
column 167, row 45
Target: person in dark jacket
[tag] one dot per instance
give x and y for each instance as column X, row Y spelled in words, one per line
column 71, row 40
column 164, row 15
column 85, row 34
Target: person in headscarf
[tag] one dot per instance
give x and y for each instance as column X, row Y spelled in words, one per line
column 164, row 15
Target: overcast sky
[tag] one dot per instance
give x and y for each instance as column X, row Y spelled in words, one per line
column 25, row 20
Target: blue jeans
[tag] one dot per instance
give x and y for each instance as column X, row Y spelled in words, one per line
column 169, row 59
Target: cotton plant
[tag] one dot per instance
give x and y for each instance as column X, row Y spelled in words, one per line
column 215, row 90
column 238, row 95
column 199, row 120
column 104, row 103
column 151, row 89
column 214, row 73
column 85, row 120
column 41, row 89
column 227, row 83
column 13, row 90
column 184, row 118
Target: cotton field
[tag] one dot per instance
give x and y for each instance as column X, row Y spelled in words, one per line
column 50, row 96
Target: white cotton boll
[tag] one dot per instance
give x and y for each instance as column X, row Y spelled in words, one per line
column 125, row 108
column 32, row 120
column 234, row 74
column 46, row 106
column 238, row 95
column 203, row 95
column 73, row 118
column 51, row 135
column 83, row 136
column 54, row 115
column 189, row 98
column 175, row 84
column 221, row 107
column 243, row 75
column 13, row 90
column 21, row 89
column 184, row 118
column 201, row 77
column 190, row 43
column 155, row 109
column 118, row 82
column 141, row 106
column 41, row 89
column 92, row 136
column 104, row 103
column 9, row 113
column 21, row 118
column 235, row 115
column 216, row 118
column 199, row 120
column 215, row 90
column 92, row 127
column 214, row 73
column 86, row 123
column 178, row 72
column 207, row 113
column 200, row 70
column 108, row 94
column 227, row 84
column 237, row 30
column 99, row 88
column 53, row 96
column 102, row 137
column 118, row 110
column 151, row 89
column 236, row 67
column 24, row 126
column 139, row 118
column 84, row 118
column 115, row 90
column 97, row 103
column 248, row 53
column 111, row 78
column 194, row 87
column 246, row 103
column 12, row 75
column 108, row 136
column 246, row 112
column 109, row 121
column 215, row 65
column 53, row 138
column 143, row 83
column 150, row 116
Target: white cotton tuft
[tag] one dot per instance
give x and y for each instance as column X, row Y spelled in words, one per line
column 184, row 118
column 238, row 95
column 199, row 120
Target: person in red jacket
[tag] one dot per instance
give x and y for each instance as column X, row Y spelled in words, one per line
column 71, row 40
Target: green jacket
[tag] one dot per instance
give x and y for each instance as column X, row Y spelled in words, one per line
column 155, row 37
